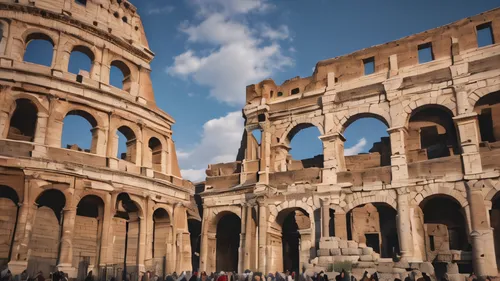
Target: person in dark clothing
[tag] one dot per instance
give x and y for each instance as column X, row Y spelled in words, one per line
column 365, row 276
column 194, row 277
column 426, row 277
column 408, row 278
column 89, row 277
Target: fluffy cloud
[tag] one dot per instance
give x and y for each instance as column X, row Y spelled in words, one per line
column 219, row 143
column 238, row 55
column 356, row 149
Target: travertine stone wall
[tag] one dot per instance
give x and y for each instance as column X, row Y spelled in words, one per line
column 442, row 121
column 34, row 102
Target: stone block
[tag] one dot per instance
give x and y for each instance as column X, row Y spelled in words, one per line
column 328, row 244
column 343, row 244
column 385, row 267
column 335, row 252
column 352, row 244
column 366, row 258
column 363, row 264
column 452, row 268
column 367, row 251
column 323, row 252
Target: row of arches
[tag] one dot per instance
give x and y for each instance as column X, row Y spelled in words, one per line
column 47, row 243
column 440, row 220
column 81, row 131
column 40, row 49
column 430, row 133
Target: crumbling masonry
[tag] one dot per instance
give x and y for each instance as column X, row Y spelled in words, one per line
column 79, row 210
column 425, row 198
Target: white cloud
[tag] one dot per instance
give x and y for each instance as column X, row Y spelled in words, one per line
column 280, row 33
column 356, row 149
column 235, row 54
column 167, row 9
column 219, row 143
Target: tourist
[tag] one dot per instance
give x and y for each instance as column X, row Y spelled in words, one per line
column 365, row 276
column 39, row 276
column 89, row 276
column 408, row 278
column 194, row 277
column 169, row 278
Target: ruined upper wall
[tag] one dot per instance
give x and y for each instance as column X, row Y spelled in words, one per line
column 350, row 67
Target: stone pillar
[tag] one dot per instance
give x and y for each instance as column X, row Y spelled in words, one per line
column 105, row 256
column 41, row 128
column 66, row 253
column 142, row 245
column 24, row 228
column 204, row 240
column 399, row 165
column 248, row 239
column 262, row 236
column 483, row 247
column 333, row 152
column 54, row 133
column 468, row 130
column 404, row 226
column 98, row 141
column 164, row 155
column 325, row 219
column 4, row 123
column 341, row 226
column 265, row 155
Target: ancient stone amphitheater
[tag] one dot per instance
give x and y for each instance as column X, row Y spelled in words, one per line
column 425, row 197
column 79, row 210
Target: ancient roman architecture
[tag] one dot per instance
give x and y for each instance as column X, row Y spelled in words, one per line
column 426, row 197
column 74, row 209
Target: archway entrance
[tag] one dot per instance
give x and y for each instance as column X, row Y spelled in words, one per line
column 162, row 241
column 228, row 242
column 495, row 224
column 8, row 220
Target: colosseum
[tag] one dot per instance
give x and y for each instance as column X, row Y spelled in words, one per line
column 424, row 198
column 73, row 209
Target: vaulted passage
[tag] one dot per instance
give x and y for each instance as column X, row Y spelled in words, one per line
column 162, row 240
column 228, row 242
column 291, row 244
column 127, row 144
column 86, row 241
column 8, row 220
column 23, row 121
column 488, row 110
column 495, row 224
column 44, row 242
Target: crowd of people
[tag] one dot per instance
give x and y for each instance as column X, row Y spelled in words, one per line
column 6, row 275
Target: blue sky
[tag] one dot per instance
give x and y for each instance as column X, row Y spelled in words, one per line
column 207, row 51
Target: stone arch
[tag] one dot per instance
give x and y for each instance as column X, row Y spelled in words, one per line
column 53, row 198
column 155, row 154
column 485, row 108
column 133, row 136
column 290, row 204
column 23, row 120
column 218, row 213
column 475, row 95
column 30, row 36
column 387, row 198
column 85, row 50
column 9, row 205
column 349, row 117
column 127, row 69
column 161, row 235
column 130, row 204
column 409, row 110
column 41, row 107
column 441, row 189
column 298, row 124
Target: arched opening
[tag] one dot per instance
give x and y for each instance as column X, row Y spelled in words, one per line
column 431, row 134
column 495, row 224
column 294, row 225
column 87, row 241
column 9, row 209
column 194, row 227
column 488, row 110
column 162, row 240
column 119, row 76
column 45, row 238
column 78, row 131
column 155, row 150
column 126, row 224
column 253, row 145
column 80, row 61
column 81, row 2
column 23, row 121
column 228, row 242
column 305, row 148
column 445, row 224
column 127, row 144
column 365, row 150
column 375, row 225
column 39, row 49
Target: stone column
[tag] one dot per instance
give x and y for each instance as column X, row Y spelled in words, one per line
column 248, row 238
column 54, row 133
column 262, row 236
column 483, row 247
column 399, row 165
column 142, row 245
column 333, row 152
column 41, row 128
column 325, row 219
column 468, row 130
column 4, row 123
column 204, row 240
column 66, row 253
column 265, row 155
column 105, row 256
column 24, row 228
column 404, row 226
column 98, row 141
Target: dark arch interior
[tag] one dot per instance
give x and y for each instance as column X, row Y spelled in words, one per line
column 125, row 205
column 90, row 206
column 81, row 58
column 495, row 224
column 23, row 121
column 194, row 227
column 81, row 2
column 161, row 224
column 228, row 242
column 8, row 192
column 39, row 49
column 53, row 199
column 488, row 110
column 446, row 211
column 432, row 130
column 291, row 241
column 388, row 230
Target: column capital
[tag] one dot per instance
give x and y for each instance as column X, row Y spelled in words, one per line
column 397, row 129
column 465, row 117
column 325, row 202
